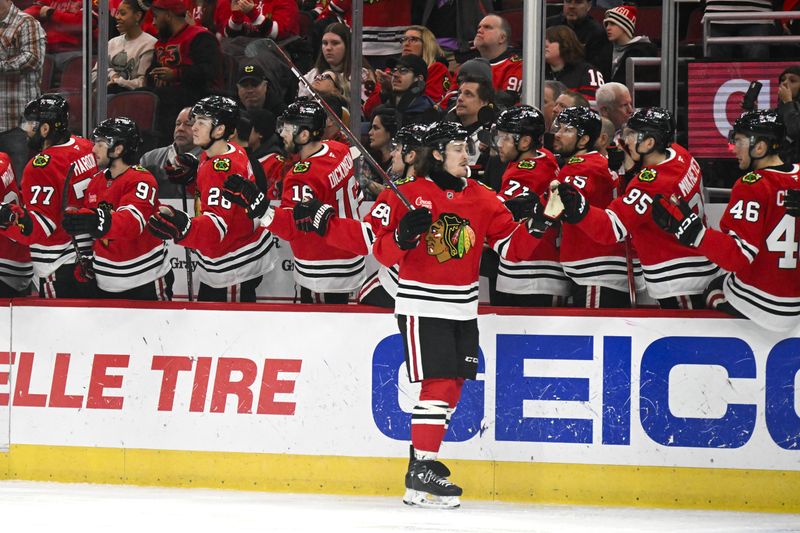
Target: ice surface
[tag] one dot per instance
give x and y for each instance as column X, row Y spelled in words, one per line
column 50, row 507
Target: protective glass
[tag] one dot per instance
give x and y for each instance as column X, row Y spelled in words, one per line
column 103, row 141
column 29, row 126
column 564, row 129
column 457, row 148
column 501, row 137
column 203, row 121
column 284, row 129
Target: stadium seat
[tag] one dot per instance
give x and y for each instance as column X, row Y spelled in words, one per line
column 142, row 108
column 72, row 75
column 46, row 82
column 514, row 17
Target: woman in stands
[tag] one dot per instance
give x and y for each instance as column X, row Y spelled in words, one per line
column 420, row 41
column 130, row 54
column 564, row 55
column 381, row 133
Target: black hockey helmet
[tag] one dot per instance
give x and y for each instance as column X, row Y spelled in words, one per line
column 51, row 109
column 412, row 136
column 441, row 133
column 522, row 120
column 120, row 130
column 655, row 122
column 305, row 113
column 221, row 109
column 585, row 120
column 761, row 125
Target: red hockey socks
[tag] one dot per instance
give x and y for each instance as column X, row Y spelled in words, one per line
column 431, row 415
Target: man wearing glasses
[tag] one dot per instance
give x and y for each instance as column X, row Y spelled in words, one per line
column 405, row 91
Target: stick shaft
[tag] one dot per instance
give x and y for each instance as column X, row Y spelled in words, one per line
column 189, row 281
column 342, row 126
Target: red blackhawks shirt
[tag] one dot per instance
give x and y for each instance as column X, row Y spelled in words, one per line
column 439, row 277
column 42, row 190
column 585, row 261
column 328, row 176
column 670, row 269
column 541, row 272
column 384, row 22
column 758, row 244
column 15, row 258
column 128, row 256
column 229, row 249
column 507, row 72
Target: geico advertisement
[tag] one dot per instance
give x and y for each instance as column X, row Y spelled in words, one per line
column 638, row 391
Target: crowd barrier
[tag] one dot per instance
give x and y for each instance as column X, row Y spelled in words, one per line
column 632, row 407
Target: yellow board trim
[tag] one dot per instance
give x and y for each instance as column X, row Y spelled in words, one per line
column 542, row 483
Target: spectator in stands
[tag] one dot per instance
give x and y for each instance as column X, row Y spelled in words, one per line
column 157, row 161
column 381, row 132
column 606, row 137
column 452, row 21
column 328, row 83
column 20, row 70
column 588, row 31
column 492, row 41
column 187, row 64
column 130, row 54
column 564, row 58
column 275, row 19
column 62, row 21
column 331, row 131
column 569, row 99
column 552, row 90
column 213, row 15
column 241, row 136
column 739, row 28
column 253, row 90
column 614, row 103
column 334, row 55
column 420, row 41
column 789, row 111
column 406, row 92
column 620, row 24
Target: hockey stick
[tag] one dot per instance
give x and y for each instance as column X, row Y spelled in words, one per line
column 85, row 266
column 331, row 113
column 628, row 255
column 189, row 284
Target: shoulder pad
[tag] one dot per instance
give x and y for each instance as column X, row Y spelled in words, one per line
column 301, row 167
column 647, row 175
column 41, row 160
column 526, row 164
column 575, row 159
column 401, row 181
column 751, row 177
column 222, row 164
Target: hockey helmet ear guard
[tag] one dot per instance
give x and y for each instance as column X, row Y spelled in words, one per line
column 760, row 125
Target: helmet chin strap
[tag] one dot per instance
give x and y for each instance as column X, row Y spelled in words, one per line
column 639, row 139
column 211, row 138
column 753, row 158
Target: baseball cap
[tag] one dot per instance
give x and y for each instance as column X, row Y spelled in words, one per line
column 174, row 6
column 251, row 71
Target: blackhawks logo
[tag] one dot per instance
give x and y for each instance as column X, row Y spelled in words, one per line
column 222, row 165
column 647, row 175
column 446, row 84
column 301, row 167
column 526, row 164
column 41, row 160
column 449, row 237
column 751, row 177
column 406, row 179
column 575, row 160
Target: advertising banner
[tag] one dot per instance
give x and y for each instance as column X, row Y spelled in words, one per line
column 716, row 91
column 625, row 390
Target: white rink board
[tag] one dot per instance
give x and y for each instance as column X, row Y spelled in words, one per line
column 329, row 407
column 5, row 344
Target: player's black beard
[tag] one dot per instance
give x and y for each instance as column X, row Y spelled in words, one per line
column 36, row 143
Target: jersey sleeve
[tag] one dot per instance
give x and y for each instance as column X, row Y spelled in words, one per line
column 389, row 210
column 42, row 198
column 129, row 219
column 509, row 239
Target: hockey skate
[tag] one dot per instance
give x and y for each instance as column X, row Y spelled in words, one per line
column 427, row 486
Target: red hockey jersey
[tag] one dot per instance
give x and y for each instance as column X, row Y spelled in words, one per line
column 540, row 273
column 585, row 261
column 439, row 277
column 228, row 248
column 670, row 269
column 507, row 72
column 384, row 22
column 758, row 243
column 42, row 190
column 15, row 258
column 328, row 176
column 174, row 52
column 275, row 19
column 128, row 256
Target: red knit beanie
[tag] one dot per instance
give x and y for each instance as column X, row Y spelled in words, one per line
column 624, row 17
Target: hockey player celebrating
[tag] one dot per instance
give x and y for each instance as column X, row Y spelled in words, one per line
column 758, row 237
column 128, row 261
column 233, row 255
column 676, row 276
column 60, row 271
column 539, row 280
column 324, row 171
column 599, row 270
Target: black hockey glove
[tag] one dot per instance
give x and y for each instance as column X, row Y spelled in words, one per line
column 184, row 171
column 676, row 217
column 245, row 193
column 95, row 222
column 521, row 206
column 11, row 213
column 169, row 223
column 312, row 215
column 792, row 202
column 575, row 205
column 538, row 223
column 411, row 226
